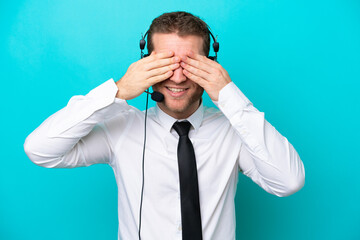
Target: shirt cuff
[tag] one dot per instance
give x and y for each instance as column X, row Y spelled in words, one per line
column 105, row 94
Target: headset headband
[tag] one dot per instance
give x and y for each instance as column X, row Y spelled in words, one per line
column 215, row 45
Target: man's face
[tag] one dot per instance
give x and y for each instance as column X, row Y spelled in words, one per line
column 182, row 96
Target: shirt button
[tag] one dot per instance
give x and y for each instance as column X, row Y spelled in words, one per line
column 179, row 227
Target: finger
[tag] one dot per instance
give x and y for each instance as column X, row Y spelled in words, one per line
column 199, row 80
column 159, row 78
column 162, row 70
column 196, row 71
column 161, row 55
column 201, row 58
column 209, row 65
column 198, row 62
column 162, row 62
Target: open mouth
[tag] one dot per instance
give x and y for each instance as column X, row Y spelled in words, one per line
column 177, row 90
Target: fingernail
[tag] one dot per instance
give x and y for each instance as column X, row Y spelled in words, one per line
column 184, row 58
column 177, row 59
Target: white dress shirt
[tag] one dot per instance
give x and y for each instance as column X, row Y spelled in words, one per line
column 99, row 128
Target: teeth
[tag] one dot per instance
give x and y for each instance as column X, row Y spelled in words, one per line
column 176, row 89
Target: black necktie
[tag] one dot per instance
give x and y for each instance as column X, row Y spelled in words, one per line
column 189, row 189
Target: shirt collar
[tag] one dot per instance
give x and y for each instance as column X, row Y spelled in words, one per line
column 167, row 121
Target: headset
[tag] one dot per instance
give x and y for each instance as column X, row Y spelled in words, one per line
column 215, row 45
column 159, row 97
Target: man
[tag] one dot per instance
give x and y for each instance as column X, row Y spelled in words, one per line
column 102, row 128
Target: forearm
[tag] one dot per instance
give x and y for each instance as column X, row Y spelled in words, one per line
column 55, row 143
column 266, row 156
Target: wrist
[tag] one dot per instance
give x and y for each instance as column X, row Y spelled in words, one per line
column 120, row 91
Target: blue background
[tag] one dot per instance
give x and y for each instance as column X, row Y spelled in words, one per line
column 297, row 61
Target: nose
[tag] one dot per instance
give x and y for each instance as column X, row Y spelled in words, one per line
column 178, row 76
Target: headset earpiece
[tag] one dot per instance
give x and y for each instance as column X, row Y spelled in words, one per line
column 216, row 46
column 142, row 44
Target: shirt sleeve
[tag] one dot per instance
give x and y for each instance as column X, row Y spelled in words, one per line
column 266, row 156
column 74, row 136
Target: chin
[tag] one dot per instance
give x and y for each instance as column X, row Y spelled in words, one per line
column 179, row 109
column 175, row 106
column 182, row 106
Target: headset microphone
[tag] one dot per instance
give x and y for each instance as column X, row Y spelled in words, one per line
column 156, row 96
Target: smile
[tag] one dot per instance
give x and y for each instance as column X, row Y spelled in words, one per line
column 176, row 90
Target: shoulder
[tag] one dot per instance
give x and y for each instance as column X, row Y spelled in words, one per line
column 213, row 115
column 124, row 119
column 211, row 112
column 215, row 125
